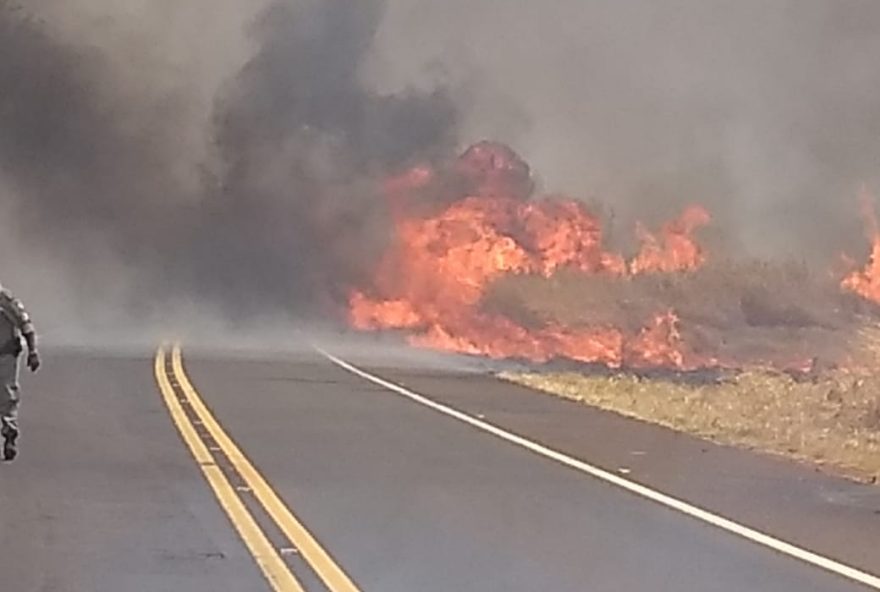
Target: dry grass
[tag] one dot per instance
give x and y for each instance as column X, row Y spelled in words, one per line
column 750, row 313
column 833, row 421
column 757, row 315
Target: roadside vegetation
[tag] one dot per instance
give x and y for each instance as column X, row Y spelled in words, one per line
column 828, row 416
column 833, row 422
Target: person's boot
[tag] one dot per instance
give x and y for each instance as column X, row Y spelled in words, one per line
column 10, row 449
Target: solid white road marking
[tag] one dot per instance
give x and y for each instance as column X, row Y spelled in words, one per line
column 730, row 526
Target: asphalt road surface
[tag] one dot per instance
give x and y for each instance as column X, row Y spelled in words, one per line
column 210, row 473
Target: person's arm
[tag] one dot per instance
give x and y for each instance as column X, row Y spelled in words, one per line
column 16, row 310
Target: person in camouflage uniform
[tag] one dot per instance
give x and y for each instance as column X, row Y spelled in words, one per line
column 15, row 323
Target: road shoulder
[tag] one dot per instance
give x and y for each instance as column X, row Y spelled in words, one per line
column 796, row 503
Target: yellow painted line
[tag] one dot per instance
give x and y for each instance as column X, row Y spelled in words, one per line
column 745, row 532
column 269, row 561
column 320, row 560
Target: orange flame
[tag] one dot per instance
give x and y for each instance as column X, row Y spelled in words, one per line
column 658, row 344
column 676, row 250
column 866, row 282
column 433, row 278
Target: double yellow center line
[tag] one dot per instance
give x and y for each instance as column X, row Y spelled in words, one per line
column 177, row 391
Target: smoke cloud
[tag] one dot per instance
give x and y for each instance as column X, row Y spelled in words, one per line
column 765, row 111
column 220, row 155
column 143, row 180
column 303, row 143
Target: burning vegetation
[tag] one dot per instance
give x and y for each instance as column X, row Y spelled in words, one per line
column 866, row 282
column 478, row 265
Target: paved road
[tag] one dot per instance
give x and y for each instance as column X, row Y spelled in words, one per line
column 107, row 495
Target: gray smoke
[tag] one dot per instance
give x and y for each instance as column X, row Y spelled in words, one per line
column 225, row 153
column 99, row 165
column 303, row 144
column 276, row 213
column 766, row 110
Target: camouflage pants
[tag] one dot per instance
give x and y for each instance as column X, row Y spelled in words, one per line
column 8, row 394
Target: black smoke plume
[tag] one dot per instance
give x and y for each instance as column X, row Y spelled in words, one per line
column 285, row 214
column 303, row 145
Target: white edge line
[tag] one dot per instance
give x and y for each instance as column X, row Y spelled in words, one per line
column 745, row 532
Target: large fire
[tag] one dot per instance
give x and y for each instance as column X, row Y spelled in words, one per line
column 461, row 228
column 479, row 225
